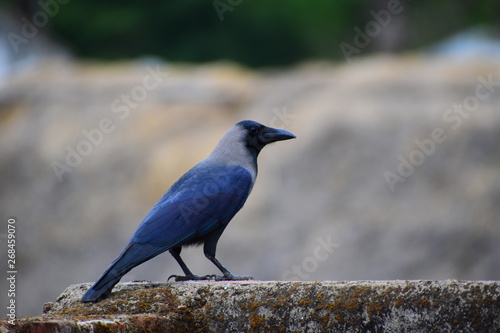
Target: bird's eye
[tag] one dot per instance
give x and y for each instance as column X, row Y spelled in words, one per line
column 254, row 130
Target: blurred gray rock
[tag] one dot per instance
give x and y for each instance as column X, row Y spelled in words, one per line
column 322, row 208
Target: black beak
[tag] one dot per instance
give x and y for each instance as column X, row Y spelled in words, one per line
column 269, row 135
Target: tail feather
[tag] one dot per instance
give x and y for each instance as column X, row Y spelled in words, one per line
column 133, row 255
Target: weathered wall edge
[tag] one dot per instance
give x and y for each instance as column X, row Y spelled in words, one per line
column 255, row 306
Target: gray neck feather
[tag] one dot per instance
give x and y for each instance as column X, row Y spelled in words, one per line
column 231, row 150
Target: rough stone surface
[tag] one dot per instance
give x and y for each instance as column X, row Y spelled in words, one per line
column 253, row 306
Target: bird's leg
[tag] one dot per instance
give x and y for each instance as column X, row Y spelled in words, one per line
column 176, row 253
column 209, row 250
column 189, row 276
column 228, row 276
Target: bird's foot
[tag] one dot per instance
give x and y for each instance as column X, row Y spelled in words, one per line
column 232, row 277
column 179, row 278
column 228, row 277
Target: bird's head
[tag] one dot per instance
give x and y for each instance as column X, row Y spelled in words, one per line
column 243, row 142
column 256, row 136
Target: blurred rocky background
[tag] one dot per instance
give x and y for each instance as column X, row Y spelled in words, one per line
column 395, row 173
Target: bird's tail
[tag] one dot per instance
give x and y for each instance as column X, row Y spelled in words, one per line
column 130, row 257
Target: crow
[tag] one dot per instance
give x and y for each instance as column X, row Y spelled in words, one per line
column 197, row 208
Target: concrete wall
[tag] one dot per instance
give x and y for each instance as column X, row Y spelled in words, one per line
column 253, row 306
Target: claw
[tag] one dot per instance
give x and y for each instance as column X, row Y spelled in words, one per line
column 231, row 277
column 172, row 276
column 179, row 278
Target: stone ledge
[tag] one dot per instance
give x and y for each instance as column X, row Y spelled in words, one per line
column 253, row 306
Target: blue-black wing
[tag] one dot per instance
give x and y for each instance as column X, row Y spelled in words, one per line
column 203, row 199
